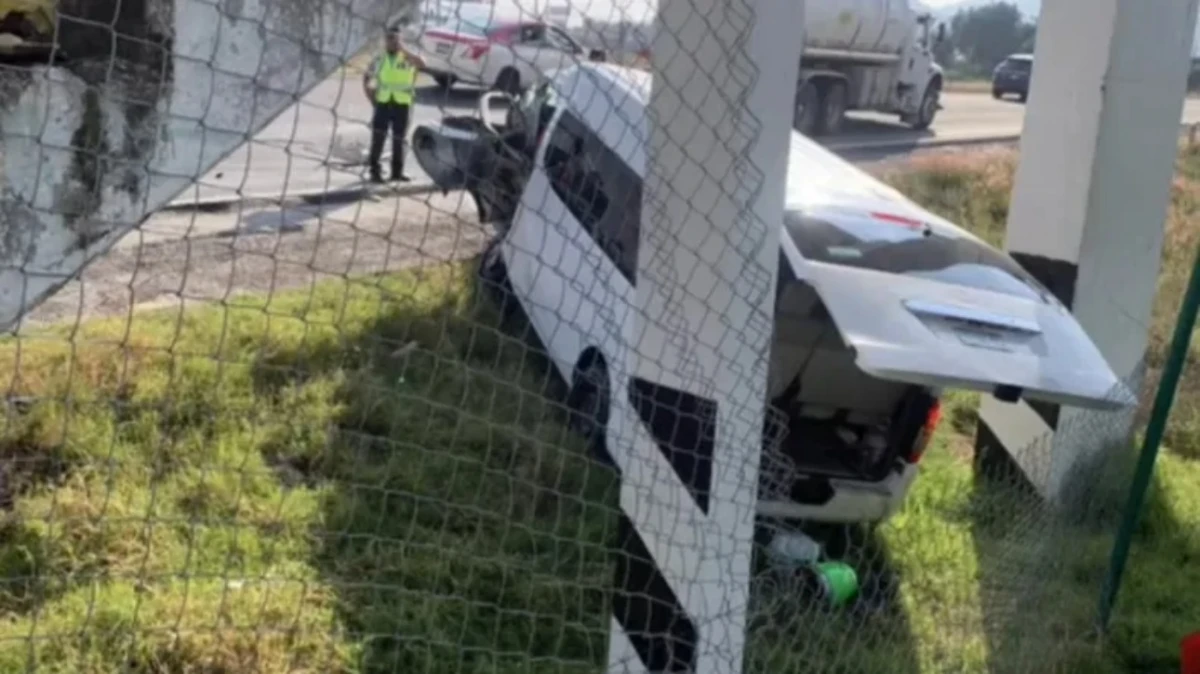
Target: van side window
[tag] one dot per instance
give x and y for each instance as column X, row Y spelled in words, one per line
column 598, row 188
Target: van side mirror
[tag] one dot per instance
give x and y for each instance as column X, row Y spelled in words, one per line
column 597, row 55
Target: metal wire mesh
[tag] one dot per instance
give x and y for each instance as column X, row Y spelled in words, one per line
column 303, row 423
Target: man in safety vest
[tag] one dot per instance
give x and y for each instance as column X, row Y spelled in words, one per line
column 389, row 84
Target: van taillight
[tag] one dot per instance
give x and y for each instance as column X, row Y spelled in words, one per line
column 927, row 430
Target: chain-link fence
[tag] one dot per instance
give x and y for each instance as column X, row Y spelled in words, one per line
column 303, row 421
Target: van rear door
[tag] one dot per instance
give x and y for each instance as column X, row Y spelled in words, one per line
column 923, row 302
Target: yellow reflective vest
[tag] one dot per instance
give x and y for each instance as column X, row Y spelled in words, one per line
column 395, row 80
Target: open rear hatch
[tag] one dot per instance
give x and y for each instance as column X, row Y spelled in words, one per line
column 923, row 302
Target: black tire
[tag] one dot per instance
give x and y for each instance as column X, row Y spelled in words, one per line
column 509, row 81
column 443, row 82
column 929, row 107
column 1023, row 96
column 493, row 279
column 806, row 108
column 997, row 94
column 589, row 402
column 833, row 109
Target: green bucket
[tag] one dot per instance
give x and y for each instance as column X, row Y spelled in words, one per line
column 839, row 582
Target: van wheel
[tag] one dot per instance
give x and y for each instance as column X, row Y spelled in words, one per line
column 806, row 108
column 509, row 81
column 833, row 109
column 493, row 279
column 588, row 402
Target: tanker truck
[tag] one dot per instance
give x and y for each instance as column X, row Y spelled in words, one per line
column 872, row 55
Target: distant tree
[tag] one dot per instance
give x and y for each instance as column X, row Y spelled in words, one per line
column 984, row 35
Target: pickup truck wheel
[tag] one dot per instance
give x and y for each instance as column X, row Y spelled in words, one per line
column 833, row 109
column 509, row 81
column 806, row 107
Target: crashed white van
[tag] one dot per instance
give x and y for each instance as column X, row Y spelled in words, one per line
column 881, row 305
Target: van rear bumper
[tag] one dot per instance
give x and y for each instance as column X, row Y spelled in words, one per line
column 851, row 502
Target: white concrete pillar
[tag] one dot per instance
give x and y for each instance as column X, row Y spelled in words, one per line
column 1090, row 201
column 687, row 419
column 155, row 93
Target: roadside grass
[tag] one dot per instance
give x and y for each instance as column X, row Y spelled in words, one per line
column 1152, row 613
column 373, row 475
column 366, row 477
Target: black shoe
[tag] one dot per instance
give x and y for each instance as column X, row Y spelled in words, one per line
column 377, row 179
column 401, row 178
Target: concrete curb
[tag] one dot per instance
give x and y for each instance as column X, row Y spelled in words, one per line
column 312, row 197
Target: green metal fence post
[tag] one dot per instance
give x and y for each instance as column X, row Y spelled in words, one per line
column 1164, row 398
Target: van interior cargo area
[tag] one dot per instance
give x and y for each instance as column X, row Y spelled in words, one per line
column 829, row 418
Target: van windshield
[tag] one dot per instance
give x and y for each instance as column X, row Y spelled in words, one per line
column 899, row 247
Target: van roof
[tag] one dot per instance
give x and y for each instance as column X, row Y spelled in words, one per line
column 611, row 100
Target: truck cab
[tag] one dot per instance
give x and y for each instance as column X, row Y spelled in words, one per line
column 870, row 56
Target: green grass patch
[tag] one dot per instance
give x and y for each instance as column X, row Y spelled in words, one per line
column 373, row 475
column 370, row 476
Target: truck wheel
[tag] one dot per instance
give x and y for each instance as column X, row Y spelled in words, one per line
column 929, row 107
column 443, row 82
column 806, row 108
column 833, row 109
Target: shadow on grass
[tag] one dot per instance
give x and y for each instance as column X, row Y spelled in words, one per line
column 792, row 629
column 463, row 528
column 1042, row 569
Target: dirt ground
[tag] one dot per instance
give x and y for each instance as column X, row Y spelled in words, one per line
column 182, row 258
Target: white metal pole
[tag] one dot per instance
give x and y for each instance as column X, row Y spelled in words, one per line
column 690, row 395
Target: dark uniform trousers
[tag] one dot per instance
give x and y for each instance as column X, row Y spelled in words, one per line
column 389, row 116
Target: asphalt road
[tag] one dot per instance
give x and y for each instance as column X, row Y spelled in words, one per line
column 321, row 142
